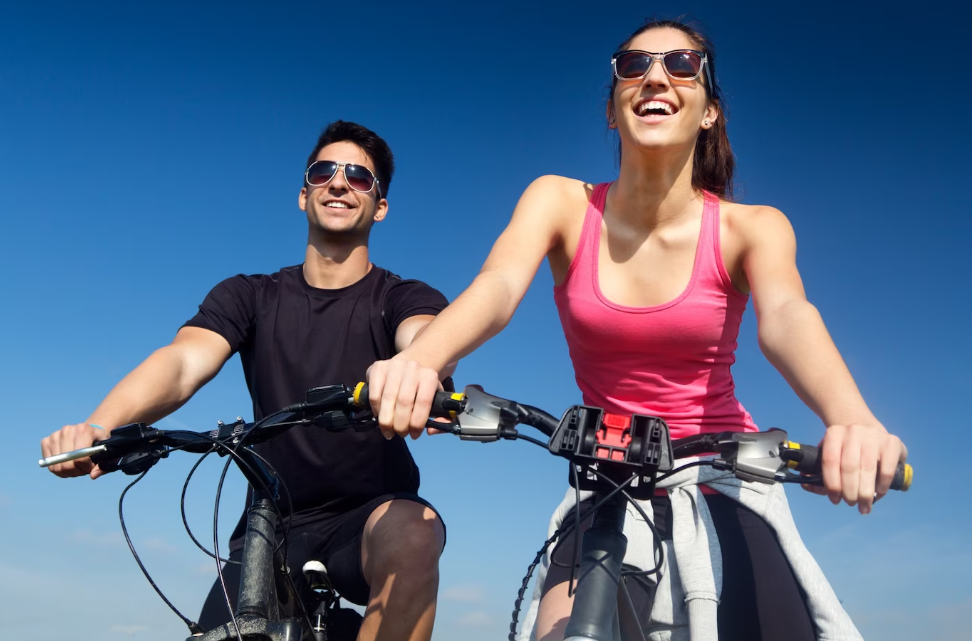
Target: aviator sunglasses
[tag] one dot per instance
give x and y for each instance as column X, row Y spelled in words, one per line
column 358, row 177
column 682, row 64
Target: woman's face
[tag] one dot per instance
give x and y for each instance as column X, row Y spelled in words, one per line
column 658, row 111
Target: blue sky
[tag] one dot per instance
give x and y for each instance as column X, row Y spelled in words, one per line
column 150, row 151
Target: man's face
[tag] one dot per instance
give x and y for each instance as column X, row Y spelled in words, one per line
column 335, row 208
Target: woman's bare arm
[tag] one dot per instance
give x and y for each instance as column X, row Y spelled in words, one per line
column 859, row 456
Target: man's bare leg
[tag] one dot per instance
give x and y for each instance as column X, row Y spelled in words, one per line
column 400, row 552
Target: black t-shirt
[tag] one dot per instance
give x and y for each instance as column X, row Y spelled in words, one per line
column 292, row 337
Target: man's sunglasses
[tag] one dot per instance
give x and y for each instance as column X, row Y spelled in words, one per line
column 682, row 64
column 358, row 177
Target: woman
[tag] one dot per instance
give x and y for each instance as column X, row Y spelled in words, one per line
column 653, row 273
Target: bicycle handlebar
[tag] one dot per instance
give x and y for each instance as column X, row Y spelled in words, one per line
column 760, row 456
column 478, row 416
column 807, row 459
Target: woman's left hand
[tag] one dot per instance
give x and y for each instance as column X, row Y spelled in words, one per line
column 859, row 462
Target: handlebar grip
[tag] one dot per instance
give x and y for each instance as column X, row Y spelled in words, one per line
column 444, row 405
column 807, row 459
column 71, row 456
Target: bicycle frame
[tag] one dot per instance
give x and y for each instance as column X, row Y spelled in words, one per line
column 594, row 614
column 257, row 611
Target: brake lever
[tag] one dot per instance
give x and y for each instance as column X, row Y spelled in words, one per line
column 131, row 463
column 134, row 463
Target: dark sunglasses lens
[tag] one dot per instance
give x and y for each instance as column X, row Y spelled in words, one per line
column 683, row 64
column 359, row 178
column 632, row 64
column 320, row 172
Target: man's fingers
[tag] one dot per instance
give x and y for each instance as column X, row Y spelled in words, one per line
column 55, row 445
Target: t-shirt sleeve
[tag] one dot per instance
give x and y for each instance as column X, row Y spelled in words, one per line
column 229, row 310
column 409, row 298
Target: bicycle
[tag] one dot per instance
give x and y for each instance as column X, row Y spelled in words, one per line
column 619, row 459
column 266, row 587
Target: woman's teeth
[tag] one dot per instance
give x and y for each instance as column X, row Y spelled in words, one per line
column 653, row 107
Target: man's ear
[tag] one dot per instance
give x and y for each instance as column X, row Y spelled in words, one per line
column 381, row 210
column 302, row 199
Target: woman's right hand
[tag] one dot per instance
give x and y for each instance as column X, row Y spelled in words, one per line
column 69, row 438
column 401, row 391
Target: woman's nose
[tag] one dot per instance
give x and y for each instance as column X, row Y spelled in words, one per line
column 656, row 76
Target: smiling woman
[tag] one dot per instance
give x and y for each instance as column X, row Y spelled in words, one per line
column 713, row 161
column 652, row 275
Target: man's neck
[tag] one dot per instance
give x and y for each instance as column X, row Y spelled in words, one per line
column 333, row 265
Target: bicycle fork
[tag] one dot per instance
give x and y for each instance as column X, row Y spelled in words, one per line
column 595, row 611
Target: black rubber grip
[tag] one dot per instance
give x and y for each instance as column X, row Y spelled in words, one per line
column 807, row 459
column 443, row 405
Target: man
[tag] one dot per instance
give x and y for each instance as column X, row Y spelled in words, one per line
column 322, row 322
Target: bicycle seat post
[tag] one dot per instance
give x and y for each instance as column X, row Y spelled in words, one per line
column 594, row 613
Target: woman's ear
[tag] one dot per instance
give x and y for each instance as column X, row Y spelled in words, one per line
column 711, row 115
column 609, row 112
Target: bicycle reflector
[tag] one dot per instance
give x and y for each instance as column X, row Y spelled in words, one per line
column 615, row 446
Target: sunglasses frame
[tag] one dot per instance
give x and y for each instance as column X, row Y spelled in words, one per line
column 660, row 57
column 342, row 167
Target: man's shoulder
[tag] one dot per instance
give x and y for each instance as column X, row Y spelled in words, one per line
column 391, row 278
column 262, row 280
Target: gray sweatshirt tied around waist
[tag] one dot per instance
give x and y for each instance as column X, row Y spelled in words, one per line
column 690, row 582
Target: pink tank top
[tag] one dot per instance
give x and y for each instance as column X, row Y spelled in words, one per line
column 671, row 360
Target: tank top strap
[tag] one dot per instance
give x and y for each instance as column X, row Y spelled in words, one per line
column 586, row 253
column 710, row 267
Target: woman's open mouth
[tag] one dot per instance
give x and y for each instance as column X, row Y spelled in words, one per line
column 654, row 110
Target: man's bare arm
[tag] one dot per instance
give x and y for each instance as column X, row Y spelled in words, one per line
column 156, row 388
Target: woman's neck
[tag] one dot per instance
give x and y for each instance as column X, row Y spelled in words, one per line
column 653, row 188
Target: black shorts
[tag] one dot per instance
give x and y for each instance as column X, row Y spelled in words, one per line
column 334, row 540
column 761, row 600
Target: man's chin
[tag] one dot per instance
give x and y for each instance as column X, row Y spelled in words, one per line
column 342, row 231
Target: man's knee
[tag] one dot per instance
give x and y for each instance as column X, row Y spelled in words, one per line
column 402, row 535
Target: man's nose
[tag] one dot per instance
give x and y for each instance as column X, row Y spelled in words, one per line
column 338, row 182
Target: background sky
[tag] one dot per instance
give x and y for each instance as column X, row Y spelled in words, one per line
column 147, row 151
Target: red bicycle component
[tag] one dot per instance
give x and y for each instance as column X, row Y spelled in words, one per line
column 614, row 437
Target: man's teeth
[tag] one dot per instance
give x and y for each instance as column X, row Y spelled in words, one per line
column 337, row 204
column 655, row 106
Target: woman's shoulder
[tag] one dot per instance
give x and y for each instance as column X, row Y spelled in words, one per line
column 560, row 188
column 554, row 198
column 754, row 221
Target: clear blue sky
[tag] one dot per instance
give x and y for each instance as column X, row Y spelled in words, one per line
column 149, row 151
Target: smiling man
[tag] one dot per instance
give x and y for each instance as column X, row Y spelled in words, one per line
column 322, row 322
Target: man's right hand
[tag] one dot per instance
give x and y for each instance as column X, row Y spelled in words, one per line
column 73, row 437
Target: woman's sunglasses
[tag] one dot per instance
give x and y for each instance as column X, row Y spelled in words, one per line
column 682, row 64
column 358, row 177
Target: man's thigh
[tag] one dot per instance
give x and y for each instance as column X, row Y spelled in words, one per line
column 342, row 551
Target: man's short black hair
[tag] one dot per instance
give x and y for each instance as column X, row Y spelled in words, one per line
column 372, row 144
